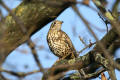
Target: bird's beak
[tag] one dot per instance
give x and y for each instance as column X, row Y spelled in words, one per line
column 61, row 22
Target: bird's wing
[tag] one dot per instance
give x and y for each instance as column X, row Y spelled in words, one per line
column 68, row 42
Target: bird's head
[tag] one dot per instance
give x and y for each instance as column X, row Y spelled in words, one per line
column 56, row 25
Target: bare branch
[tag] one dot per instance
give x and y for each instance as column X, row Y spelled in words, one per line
column 32, row 46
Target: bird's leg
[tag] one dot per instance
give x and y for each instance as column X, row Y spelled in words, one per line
column 64, row 57
column 68, row 56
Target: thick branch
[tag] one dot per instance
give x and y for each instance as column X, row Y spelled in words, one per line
column 34, row 14
column 65, row 65
column 75, row 64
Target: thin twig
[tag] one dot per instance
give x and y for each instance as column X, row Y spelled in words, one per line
column 87, row 46
column 105, row 21
column 32, row 46
column 19, row 74
column 82, row 40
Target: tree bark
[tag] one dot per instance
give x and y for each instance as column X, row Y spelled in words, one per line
column 34, row 15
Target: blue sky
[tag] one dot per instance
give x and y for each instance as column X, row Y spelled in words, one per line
column 17, row 61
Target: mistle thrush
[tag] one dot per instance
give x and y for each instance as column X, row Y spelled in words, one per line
column 59, row 42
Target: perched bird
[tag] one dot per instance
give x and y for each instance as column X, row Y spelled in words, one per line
column 59, row 42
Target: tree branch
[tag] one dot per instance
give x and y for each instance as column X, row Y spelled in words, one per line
column 34, row 14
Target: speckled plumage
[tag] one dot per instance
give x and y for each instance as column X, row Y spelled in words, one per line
column 59, row 42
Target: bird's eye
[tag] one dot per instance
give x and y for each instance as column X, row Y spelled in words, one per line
column 54, row 23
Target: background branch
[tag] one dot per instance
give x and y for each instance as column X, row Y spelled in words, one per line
column 34, row 19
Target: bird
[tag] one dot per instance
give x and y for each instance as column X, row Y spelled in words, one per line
column 59, row 42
